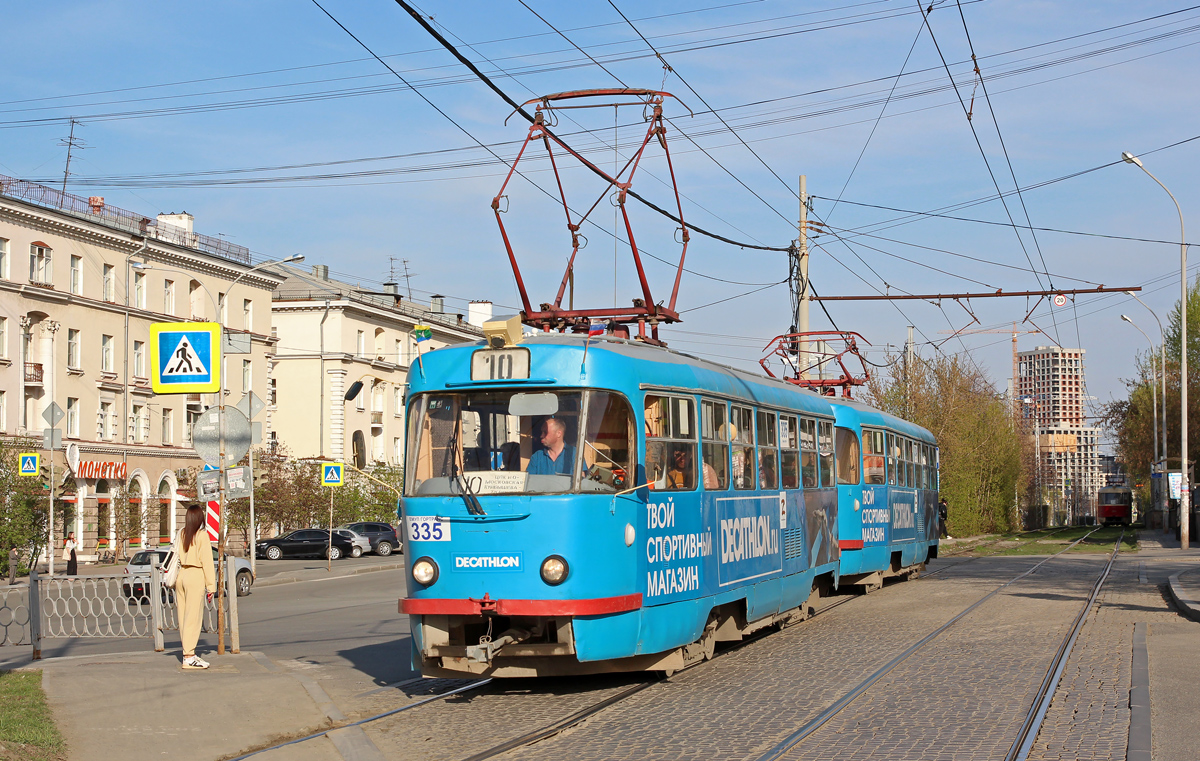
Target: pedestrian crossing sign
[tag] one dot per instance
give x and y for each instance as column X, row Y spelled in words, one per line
column 331, row 474
column 185, row 357
column 29, row 463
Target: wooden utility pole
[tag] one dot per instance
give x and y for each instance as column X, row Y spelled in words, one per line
column 803, row 298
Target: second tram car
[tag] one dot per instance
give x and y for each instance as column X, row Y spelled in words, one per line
column 1114, row 504
column 614, row 506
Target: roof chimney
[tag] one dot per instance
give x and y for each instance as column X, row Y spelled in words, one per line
column 437, row 303
column 321, row 271
column 182, row 220
column 479, row 312
column 393, row 288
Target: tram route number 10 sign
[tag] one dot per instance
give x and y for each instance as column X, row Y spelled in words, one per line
column 500, row 364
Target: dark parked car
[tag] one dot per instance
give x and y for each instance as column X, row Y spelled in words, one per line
column 382, row 537
column 308, row 542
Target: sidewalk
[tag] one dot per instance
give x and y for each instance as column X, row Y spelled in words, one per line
column 268, row 573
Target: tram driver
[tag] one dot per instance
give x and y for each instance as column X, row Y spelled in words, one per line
column 557, row 458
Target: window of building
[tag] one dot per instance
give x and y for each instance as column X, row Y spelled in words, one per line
column 398, row 357
column 360, row 401
column 169, row 297
column 196, row 299
column 109, row 284
column 104, row 422
column 714, row 446
column 398, row 401
column 72, row 417
column 141, row 423
column 3, row 411
column 247, row 314
column 246, row 378
column 106, row 354
column 168, row 425
column 789, row 452
column 272, row 392
column 139, row 290
column 77, row 275
column 670, row 442
column 397, row 450
column 3, row 338
column 73, row 348
column 139, row 359
column 768, row 451
column 361, row 346
column 40, row 266
column 4, row 258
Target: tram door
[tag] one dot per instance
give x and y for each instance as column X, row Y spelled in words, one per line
column 848, row 459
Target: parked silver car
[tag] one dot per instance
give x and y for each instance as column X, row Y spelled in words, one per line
column 360, row 542
column 136, row 583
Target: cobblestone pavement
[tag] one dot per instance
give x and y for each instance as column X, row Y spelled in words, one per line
column 963, row 696
column 735, row 706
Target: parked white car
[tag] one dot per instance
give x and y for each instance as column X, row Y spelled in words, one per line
column 136, row 583
column 360, row 542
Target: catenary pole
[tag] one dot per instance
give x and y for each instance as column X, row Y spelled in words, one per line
column 802, row 300
column 1162, row 366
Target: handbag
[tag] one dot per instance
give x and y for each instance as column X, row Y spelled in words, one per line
column 172, row 574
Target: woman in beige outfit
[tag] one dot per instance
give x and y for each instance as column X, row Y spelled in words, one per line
column 196, row 583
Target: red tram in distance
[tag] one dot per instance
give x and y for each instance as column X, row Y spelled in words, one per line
column 1114, row 504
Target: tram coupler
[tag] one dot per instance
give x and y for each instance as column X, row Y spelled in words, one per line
column 487, row 648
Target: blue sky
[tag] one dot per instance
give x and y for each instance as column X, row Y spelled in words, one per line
column 177, row 102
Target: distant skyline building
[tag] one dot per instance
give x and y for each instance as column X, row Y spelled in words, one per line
column 1050, row 385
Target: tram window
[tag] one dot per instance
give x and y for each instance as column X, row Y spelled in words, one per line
column 608, row 443
column 910, row 459
column 740, row 435
column 925, row 466
column 789, row 457
column 873, row 457
column 670, row 442
column 768, row 452
column 480, row 441
column 935, row 485
column 825, row 451
column 891, row 458
column 808, row 453
column 715, row 449
column 846, row 446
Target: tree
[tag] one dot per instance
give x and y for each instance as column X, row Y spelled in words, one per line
column 23, row 514
column 981, row 451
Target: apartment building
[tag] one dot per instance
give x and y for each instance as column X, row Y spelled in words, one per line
column 1052, row 389
column 332, row 334
column 80, row 284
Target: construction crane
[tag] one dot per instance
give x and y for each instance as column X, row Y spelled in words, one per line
column 1014, row 333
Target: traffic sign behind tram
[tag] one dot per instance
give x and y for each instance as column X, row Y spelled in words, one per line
column 185, row 357
column 332, row 473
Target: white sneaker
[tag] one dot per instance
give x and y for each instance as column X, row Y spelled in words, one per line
column 194, row 662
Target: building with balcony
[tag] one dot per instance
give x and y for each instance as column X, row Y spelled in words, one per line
column 332, row 334
column 1052, row 391
column 80, row 284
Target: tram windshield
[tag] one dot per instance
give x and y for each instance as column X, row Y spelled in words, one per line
column 519, row 442
column 1115, row 497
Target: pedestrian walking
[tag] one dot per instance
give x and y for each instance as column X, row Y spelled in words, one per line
column 13, row 559
column 942, row 507
column 70, row 556
column 196, row 583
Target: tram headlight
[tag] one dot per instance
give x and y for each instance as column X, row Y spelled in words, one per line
column 554, row 570
column 425, row 571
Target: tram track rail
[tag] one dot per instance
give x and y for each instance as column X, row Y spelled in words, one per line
column 1020, row 748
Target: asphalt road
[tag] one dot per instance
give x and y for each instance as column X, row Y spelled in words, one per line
column 344, row 621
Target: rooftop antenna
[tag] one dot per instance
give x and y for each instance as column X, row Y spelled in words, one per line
column 71, row 142
column 407, row 278
column 391, row 269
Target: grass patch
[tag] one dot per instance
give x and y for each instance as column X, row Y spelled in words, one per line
column 27, row 729
column 1050, row 541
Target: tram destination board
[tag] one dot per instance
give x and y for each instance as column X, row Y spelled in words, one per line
column 500, row 364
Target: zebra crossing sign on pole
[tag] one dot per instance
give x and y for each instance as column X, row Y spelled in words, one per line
column 29, row 462
column 332, row 473
column 185, row 357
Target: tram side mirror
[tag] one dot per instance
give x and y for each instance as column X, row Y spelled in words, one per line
column 529, row 405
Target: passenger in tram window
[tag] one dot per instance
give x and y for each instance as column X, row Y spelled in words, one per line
column 682, row 473
column 825, row 452
column 557, row 458
column 789, row 469
column 714, row 450
column 873, row 458
column 766, row 469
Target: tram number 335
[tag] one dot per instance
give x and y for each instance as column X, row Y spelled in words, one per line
column 500, row 364
column 427, row 528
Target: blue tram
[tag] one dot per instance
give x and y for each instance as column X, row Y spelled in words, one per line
column 616, row 506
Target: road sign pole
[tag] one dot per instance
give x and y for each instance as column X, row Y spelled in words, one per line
column 329, row 551
column 51, row 549
column 253, row 526
column 221, row 530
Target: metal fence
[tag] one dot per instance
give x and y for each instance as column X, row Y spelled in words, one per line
column 102, row 607
column 94, row 209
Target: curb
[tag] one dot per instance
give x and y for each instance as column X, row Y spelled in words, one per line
column 277, row 580
column 1182, row 598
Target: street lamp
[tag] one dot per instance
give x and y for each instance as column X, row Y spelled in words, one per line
column 1162, row 363
column 1153, row 393
column 1185, row 511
